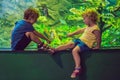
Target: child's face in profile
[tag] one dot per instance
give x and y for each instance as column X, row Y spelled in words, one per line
column 33, row 20
column 86, row 20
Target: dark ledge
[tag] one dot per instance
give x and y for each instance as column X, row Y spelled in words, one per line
column 67, row 51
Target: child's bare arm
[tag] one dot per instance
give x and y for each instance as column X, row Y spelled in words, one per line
column 76, row 32
column 98, row 37
column 41, row 36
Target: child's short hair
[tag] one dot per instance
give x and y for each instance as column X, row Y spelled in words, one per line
column 31, row 12
column 92, row 14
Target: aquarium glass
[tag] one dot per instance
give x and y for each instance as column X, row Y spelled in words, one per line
column 59, row 17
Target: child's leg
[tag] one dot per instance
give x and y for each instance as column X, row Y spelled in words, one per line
column 21, row 45
column 76, row 57
column 33, row 37
column 26, row 39
column 65, row 46
column 69, row 45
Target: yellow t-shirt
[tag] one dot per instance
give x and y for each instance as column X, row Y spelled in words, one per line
column 88, row 37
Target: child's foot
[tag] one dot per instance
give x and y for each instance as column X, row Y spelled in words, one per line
column 42, row 47
column 51, row 50
column 76, row 72
column 45, row 47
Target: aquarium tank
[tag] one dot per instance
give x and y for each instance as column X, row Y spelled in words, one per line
column 59, row 17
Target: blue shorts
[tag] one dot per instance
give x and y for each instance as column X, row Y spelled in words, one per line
column 82, row 45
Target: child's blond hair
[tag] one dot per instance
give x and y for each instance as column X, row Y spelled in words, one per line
column 92, row 14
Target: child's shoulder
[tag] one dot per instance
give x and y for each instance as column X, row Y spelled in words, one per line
column 20, row 21
column 96, row 27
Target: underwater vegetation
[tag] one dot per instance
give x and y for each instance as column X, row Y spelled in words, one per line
column 59, row 17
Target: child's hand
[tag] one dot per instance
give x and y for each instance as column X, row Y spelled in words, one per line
column 48, row 41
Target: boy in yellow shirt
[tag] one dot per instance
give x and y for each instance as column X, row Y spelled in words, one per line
column 90, row 39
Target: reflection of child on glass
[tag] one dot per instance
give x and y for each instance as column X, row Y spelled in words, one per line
column 23, row 32
column 90, row 39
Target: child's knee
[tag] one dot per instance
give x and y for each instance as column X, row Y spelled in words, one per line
column 75, row 50
column 70, row 45
column 29, row 34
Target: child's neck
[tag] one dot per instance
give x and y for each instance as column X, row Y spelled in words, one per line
column 27, row 21
column 91, row 24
